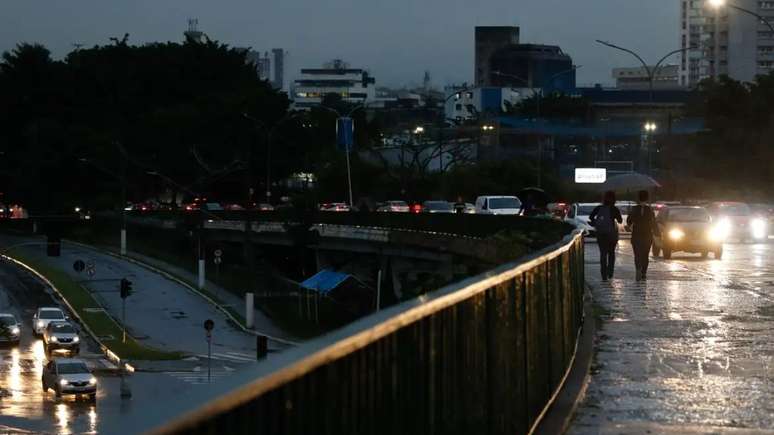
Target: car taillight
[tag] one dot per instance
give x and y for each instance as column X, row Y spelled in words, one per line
column 416, row 208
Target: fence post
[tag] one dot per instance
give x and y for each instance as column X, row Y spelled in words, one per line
column 249, row 310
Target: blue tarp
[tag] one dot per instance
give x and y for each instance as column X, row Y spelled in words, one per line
column 325, row 281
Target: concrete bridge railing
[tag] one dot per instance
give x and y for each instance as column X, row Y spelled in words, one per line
column 485, row 355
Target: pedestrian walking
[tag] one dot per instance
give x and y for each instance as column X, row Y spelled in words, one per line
column 605, row 219
column 642, row 221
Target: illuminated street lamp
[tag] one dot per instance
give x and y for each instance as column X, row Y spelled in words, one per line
column 718, row 4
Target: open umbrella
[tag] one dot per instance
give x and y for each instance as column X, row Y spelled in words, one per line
column 629, row 182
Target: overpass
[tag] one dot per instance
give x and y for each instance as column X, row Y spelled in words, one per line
column 487, row 354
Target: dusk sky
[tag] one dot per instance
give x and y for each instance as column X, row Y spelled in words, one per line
column 397, row 40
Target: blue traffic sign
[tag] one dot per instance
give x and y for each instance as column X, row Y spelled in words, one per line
column 345, row 134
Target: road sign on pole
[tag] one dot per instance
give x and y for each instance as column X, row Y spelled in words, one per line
column 345, row 138
column 345, row 133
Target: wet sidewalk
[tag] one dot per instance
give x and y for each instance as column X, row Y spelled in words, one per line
column 689, row 351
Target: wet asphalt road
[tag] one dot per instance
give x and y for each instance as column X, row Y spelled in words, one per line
column 24, row 408
column 689, row 351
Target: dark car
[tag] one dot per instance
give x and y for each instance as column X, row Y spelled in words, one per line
column 688, row 229
column 437, row 207
column 742, row 223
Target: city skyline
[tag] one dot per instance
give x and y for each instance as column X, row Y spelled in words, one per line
column 397, row 42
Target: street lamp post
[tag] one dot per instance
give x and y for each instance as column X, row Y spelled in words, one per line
column 349, row 168
column 717, row 4
column 651, row 72
column 649, row 129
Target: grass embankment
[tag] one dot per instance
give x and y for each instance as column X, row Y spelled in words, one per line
column 234, row 278
column 100, row 323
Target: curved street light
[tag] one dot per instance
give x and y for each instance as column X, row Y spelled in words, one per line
column 652, row 72
column 718, row 4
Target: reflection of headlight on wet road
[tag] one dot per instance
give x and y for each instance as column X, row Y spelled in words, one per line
column 676, row 234
column 758, row 228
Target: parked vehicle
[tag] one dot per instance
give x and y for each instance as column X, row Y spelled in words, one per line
column 61, row 336
column 44, row 316
column 10, row 329
column 740, row 220
column 688, row 229
column 443, row 207
column 69, row 376
column 498, row 205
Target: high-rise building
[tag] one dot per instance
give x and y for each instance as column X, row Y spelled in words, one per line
column 262, row 63
column 537, row 66
column 728, row 42
column 489, row 39
column 279, row 68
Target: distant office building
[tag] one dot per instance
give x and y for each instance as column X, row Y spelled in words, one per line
column 489, row 39
column 354, row 85
column 262, row 62
column 465, row 103
column 728, row 42
column 279, row 68
column 539, row 66
column 667, row 77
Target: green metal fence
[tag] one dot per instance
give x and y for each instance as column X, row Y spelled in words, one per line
column 483, row 356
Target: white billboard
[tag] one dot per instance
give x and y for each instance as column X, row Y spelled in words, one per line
column 590, row 175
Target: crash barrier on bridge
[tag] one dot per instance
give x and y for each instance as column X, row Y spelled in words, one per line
column 458, row 224
column 486, row 355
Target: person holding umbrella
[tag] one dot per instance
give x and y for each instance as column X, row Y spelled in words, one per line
column 605, row 219
column 642, row 221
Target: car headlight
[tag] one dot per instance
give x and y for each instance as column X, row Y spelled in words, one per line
column 63, row 382
column 15, row 330
column 53, row 339
column 758, row 228
column 76, row 339
column 40, row 324
column 676, row 234
column 720, row 231
column 93, row 381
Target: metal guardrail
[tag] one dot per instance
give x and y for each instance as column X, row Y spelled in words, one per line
column 486, row 355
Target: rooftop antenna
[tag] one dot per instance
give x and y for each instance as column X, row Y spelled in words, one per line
column 193, row 34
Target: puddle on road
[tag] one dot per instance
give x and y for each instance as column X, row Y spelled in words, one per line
column 766, row 311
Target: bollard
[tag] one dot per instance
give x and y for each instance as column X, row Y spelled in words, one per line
column 249, row 311
column 261, row 346
column 123, row 241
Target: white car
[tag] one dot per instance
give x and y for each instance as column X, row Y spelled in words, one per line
column 10, row 329
column 498, row 205
column 69, row 376
column 44, row 316
column 61, row 336
column 579, row 215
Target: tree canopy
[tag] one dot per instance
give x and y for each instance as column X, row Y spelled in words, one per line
column 70, row 128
